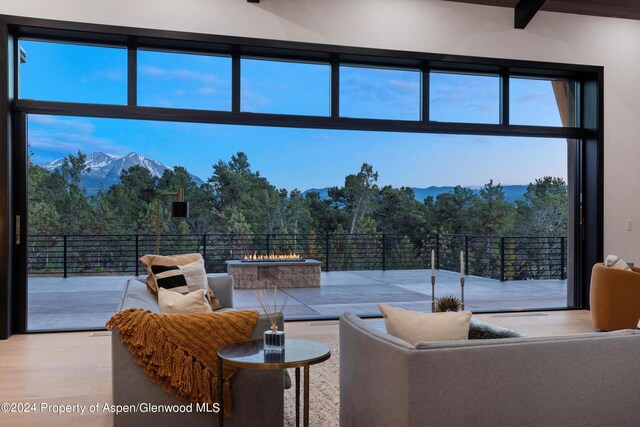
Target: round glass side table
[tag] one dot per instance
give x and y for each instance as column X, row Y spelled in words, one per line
column 251, row 355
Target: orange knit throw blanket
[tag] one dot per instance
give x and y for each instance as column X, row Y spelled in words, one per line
column 179, row 352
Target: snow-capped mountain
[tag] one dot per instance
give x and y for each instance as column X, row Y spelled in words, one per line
column 105, row 169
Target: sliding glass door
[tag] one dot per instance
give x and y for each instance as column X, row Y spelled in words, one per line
column 374, row 166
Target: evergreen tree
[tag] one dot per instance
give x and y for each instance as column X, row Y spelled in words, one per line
column 452, row 211
column 542, row 214
column 398, row 212
column 491, row 214
column 236, row 186
column 357, row 194
column 325, row 217
column 74, row 210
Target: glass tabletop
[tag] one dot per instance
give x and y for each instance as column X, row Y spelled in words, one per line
column 251, row 354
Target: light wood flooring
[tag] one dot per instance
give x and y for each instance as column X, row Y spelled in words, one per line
column 75, row 368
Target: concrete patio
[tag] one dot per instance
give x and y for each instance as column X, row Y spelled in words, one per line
column 87, row 302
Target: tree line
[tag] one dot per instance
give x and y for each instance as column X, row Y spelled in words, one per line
column 238, row 200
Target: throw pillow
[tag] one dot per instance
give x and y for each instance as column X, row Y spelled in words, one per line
column 173, row 302
column 415, row 327
column 181, row 278
column 480, row 330
column 171, row 260
column 616, row 262
column 178, row 273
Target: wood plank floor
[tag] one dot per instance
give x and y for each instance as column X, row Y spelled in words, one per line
column 75, row 368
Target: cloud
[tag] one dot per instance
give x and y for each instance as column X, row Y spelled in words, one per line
column 527, row 97
column 53, row 121
column 464, row 98
column 171, row 87
column 113, row 75
column 206, row 91
column 252, row 100
column 395, row 95
column 408, row 87
column 61, row 136
column 183, row 74
column 152, row 71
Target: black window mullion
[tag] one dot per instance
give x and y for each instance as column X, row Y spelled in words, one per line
column 335, row 88
column 425, row 92
column 504, row 97
column 288, row 120
column 16, row 67
column 132, row 74
column 579, row 103
column 235, row 83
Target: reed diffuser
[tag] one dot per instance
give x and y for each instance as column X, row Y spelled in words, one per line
column 273, row 338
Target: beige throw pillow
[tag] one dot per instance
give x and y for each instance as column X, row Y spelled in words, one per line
column 179, row 273
column 173, row 302
column 614, row 261
column 160, row 260
column 181, row 278
column 415, row 327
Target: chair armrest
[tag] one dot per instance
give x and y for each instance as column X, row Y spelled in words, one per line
column 222, row 287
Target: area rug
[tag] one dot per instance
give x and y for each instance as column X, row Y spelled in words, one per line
column 324, row 394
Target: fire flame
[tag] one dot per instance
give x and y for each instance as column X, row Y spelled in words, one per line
column 292, row 256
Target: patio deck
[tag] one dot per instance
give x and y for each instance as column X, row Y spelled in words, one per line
column 87, row 302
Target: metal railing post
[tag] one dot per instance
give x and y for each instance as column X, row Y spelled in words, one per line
column 268, row 243
column 326, row 252
column 204, row 249
column 562, row 258
column 502, row 259
column 135, row 261
column 466, row 254
column 438, row 251
column 384, row 255
column 64, row 256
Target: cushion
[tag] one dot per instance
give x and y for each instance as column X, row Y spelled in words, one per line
column 171, row 260
column 614, row 261
column 480, row 330
column 179, row 273
column 415, row 327
column 173, row 302
column 181, row 278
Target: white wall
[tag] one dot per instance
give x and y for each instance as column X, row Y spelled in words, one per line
column 430, row 26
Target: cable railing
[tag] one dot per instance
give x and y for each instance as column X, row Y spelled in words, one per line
column 502, row 258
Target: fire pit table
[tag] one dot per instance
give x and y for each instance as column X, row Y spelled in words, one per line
column 258, row 274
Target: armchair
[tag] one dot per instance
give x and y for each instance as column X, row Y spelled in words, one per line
column 615, row 298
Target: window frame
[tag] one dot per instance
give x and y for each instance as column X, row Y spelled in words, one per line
column 134, row 64
column 589, row 169
column 423, row 91
column 284, row 60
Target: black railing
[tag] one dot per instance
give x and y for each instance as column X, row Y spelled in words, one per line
column 503, row 258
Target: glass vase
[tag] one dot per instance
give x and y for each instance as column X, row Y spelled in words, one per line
column 273, row 341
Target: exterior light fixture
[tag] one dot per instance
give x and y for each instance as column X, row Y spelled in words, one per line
column 179, row 209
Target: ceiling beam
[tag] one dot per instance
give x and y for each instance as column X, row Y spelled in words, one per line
column 525, row 11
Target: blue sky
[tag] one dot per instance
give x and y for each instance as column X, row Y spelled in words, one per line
column 290, row 158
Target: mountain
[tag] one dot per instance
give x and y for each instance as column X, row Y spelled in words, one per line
column 105, row 169
column 323, row 192
column 511, row 192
